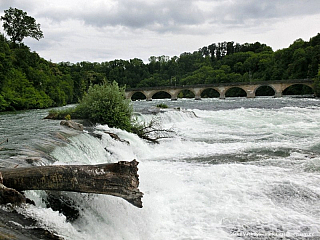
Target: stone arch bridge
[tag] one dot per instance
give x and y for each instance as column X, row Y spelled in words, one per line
column 250, row 88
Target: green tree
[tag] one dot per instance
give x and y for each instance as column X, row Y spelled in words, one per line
column 19, row 25
column 3, row 103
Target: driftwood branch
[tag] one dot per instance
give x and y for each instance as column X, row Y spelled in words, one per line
column 116, row 137
column 152, row 132
column 117, row 179
column 7, row 140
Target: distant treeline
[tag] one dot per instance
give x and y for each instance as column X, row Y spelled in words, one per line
column 29, row 81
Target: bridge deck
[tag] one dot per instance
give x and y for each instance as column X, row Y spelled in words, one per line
column 233, row 84
column 249, row 87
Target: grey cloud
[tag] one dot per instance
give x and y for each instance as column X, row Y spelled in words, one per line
column 178, row 16
column 97, row 30
column 5, row 4
column 26, row 6
column 242, row 11
column 154, row 17
column 136, row 14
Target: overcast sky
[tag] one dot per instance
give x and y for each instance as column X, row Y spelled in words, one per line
column 104, row 30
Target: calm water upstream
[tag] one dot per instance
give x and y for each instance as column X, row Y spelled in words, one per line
column 234, row 169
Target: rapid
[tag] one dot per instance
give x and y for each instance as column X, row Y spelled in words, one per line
column 233, row 169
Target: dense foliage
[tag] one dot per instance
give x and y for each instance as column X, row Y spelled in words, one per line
column 29, row 81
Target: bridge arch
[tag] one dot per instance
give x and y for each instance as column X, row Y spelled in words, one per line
column 264, row 90
column 236, row 92
column 298, row 89
column 210, row 93
column 186, row 93
column 138, row 96
column 161, row 95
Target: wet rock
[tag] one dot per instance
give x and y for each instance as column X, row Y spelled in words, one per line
column 96, row 135
column 32, row 160
column 72, row 124
column 62, row 203
column 10, row 195
column 61, row 137
column 116, row 137
column 16, row 226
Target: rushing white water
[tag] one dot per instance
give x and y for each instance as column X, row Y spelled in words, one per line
column 227, row 173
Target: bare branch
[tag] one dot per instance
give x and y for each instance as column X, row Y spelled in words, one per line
column 153, row 132
column 7, row 140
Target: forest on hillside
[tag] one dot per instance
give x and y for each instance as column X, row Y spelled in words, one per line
column 28, row 81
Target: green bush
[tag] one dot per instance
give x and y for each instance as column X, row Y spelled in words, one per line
column 162, row 105
column 106, row 104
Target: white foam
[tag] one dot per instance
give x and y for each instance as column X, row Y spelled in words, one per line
column 193, row 200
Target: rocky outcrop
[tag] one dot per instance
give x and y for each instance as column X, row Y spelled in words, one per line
column 9, row 195
column 72, row 124
column 59, row 201
column 14, row 225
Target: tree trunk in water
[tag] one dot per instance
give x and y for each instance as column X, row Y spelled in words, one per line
column 117, row 179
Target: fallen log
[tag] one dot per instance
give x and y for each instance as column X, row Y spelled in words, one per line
column 117, row 179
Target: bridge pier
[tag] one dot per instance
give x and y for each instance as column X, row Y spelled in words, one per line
column 250, row 94
column 278, row 89
column 197, row 93
column 173, row 93
column 250, row 90
column 222, row 96
column 148, row 95
column 278, row 94
column 222, row 91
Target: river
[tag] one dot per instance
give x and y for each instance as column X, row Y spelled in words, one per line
column 233, row 169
